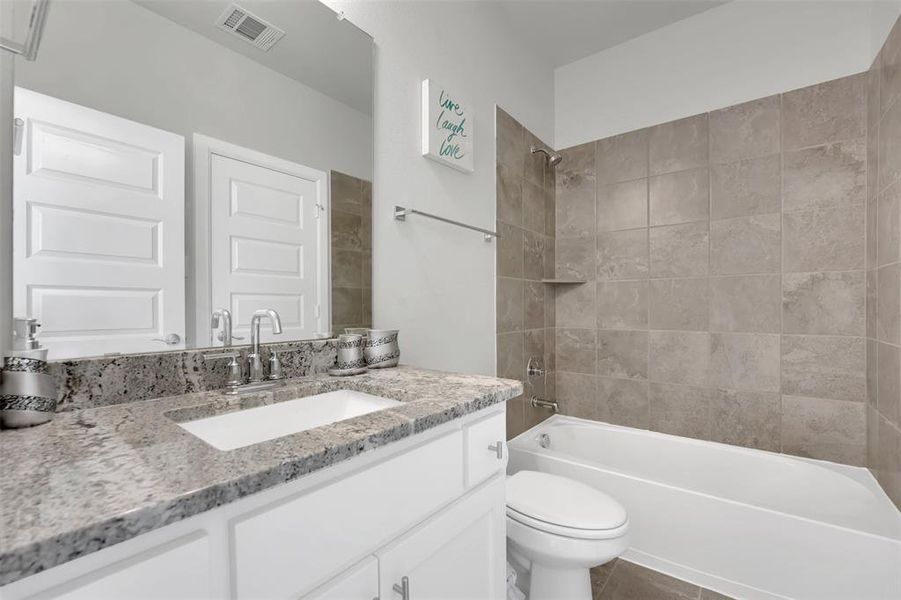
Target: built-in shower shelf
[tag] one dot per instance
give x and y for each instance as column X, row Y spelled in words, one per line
column 564, row 281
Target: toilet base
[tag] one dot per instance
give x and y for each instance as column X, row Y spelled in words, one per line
column 549, row 583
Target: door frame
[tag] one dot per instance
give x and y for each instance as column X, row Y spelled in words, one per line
column 204, row 148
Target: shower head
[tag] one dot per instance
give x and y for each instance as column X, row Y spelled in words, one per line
column 553, row 159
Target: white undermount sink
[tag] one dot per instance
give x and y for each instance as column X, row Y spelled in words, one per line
column 255, row 425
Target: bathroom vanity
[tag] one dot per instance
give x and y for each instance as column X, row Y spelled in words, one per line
column 126, row 502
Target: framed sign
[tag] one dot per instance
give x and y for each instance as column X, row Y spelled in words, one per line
column 447, row 130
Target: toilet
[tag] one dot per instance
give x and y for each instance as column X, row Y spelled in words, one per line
column 558, row 529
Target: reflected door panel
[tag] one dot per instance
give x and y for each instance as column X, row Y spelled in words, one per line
column 265, row 246
column 99, row 229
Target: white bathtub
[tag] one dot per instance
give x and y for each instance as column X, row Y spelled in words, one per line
column 747, row 523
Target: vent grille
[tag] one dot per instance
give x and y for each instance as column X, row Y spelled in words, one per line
column 249, row 27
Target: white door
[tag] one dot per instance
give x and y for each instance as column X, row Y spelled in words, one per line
column 457, row 555
column 98, row 229
column 357, row 583
column 268, row 245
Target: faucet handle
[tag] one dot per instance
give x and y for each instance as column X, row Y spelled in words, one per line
column 275, row 366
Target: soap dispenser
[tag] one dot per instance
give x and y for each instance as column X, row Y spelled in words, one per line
column 27, row 391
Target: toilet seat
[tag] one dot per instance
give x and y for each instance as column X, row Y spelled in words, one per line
column 563, row 506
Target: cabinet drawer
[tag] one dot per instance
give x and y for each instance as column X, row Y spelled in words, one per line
column 482, row 461
column 358, row 583
column 285, row 549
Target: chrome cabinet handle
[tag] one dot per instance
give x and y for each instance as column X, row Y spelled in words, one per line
column 172, row 339
column 404, row 588
column 498, row 449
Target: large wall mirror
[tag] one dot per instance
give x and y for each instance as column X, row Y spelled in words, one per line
column 177, row 158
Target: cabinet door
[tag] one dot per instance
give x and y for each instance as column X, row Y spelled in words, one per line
column 456, row 555
column 357, row 583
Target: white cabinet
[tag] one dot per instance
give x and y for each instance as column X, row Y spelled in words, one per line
column 429, row 508
column 457, row 555
column 179, row 570
column 358, row 583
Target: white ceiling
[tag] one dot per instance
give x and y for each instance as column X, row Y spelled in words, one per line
column 318, row 50
column 566, row 30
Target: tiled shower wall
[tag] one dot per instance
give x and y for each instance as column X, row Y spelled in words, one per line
column 725, row 260
column 883, row 254
column 351, row 252
column 525, row 255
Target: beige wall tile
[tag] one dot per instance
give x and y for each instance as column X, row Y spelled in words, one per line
column 550, row 205
column 515, row 423
column 744, row 188
column 509, row 196
column 366, row 301
column 890, row 83
column 745, row 245
column 744, row 361
column 745, row 130
column 347, row 268
column 824, row 367
column 679, row 250
column 533, row 305
column 888, row 382
column 888, row 304
column 678, row 145
column 622, row 402
column 889, row 151
column 873, row 441
column 550, row 257
column 678, row 304
column 825, row 429
column 577, row 394
column 746, row 303
column 829, row 175
column 577, row 349
column 622, row 254
column 622, row 205
column 347, row 305
column 533, row 254
column 871, row 371
column 575, row 202
column 890, row 460
column 824, row 239
column 533, row 205
column 367, row 269
column 346, row 193
column 826, row 112
column 621, row 305
column 510, row 250
column 680, row 410
column 550, row 305
column 511, row 150
column 576, row 258
column 509, row 355
column 534, row 163
column 823, row 303
column 680, row 197
column 622, row 157
column 870, row 234
column 347, row 231
column 509, row 304
column 871, row 303
column 750, row 419
column 679, row 357
column 576, row 306
column 623, row 354
column 533, row 347
column 888, row 225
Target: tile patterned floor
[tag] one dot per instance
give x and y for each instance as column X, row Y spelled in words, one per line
column 622, row 580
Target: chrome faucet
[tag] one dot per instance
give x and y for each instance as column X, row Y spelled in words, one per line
column 256, row 363
column 225, row 335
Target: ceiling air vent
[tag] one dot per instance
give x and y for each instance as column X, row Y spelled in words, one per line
column 249, row 27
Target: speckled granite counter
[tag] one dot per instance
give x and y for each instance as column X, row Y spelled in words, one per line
column 96, row 477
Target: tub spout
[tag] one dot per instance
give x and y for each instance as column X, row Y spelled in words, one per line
column 537, row 402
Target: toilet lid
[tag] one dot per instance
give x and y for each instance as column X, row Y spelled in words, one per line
column 562, row 501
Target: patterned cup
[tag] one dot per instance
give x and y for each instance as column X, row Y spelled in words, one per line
column 350, row 352
column 381, row 349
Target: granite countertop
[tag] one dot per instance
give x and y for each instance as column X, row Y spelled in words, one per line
column 92, row 478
